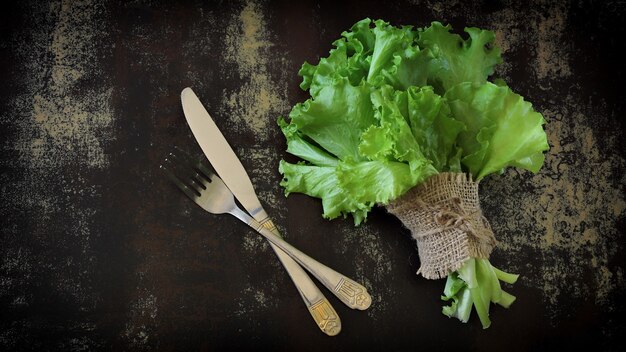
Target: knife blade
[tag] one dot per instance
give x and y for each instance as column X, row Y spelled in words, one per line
column 220, row 154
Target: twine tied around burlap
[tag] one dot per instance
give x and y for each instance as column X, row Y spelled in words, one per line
column 445, row 218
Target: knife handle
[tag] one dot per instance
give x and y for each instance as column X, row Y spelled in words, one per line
column 351, row 293
column 322, row 312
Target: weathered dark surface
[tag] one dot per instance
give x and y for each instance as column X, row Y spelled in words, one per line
column 99, row 251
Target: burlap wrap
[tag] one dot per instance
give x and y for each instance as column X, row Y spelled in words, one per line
column 445, row 219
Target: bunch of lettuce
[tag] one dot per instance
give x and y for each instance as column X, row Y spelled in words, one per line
column 392, row 106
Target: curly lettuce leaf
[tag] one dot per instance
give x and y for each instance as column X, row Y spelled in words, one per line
column 314, row 78
column 408, row 68
column 396, row 129
column 433, row 128
column 299, row 146
column 456, row 60
column 388, row 164
column 389, row 41
column 346, row 60
column 336, row 118
column 360, row 37
column 349, row 59
column 349, row 187
column 502, row 129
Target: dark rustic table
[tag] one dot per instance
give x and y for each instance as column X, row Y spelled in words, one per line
column 100, row 252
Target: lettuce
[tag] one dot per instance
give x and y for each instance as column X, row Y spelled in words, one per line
column 392, row 106
column 419, row 97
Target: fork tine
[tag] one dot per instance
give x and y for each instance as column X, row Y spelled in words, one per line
column 201, row 164
column 183, row 155
column 193, row 194
column 192, row 164
column 195, row 179
column 206, row 168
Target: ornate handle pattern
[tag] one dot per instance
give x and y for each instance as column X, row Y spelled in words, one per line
column 322, row 312
column 353, row 294
column 347, row 290
column 326, row 317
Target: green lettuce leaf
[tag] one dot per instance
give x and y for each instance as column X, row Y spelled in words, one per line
column 336, row 118
column 396, row 129
column 433, row 127
column 502, row 129
column 456, row 60
column 349, row 59
column 349, row 187
column 408, row 68
column 304, row 149
column 389, row 41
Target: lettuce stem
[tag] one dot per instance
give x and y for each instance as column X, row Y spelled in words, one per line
column 504, row 276
column 476, row 284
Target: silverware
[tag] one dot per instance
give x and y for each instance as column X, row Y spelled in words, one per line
column 232, row 172
column 209, row 192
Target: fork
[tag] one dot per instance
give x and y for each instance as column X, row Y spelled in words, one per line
column 205, row 188
column 318, row 306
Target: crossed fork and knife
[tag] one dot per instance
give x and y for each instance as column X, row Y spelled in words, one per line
column 199, row 180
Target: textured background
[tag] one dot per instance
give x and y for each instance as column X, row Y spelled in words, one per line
column 99, row 251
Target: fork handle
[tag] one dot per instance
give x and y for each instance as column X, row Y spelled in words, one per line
column 322, row 312
column 351, row 293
